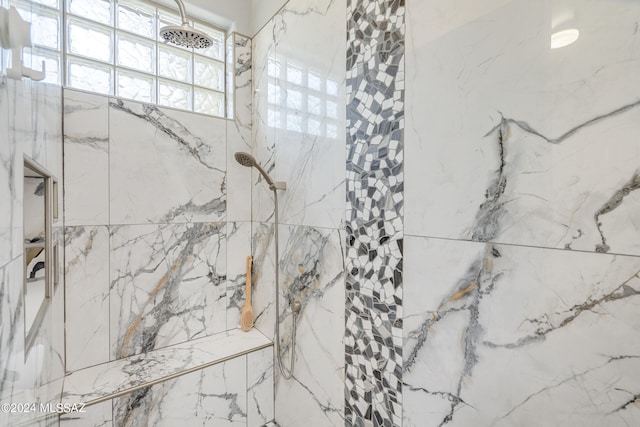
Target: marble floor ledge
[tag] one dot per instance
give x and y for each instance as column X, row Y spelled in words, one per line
column 113, row 379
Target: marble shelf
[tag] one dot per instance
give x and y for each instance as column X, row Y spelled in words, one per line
column 109, row 380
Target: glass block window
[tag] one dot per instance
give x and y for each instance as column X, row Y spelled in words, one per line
column 294, row 91
column 113, row 47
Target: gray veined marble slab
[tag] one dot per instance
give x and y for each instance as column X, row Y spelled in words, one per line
column 519, row 143
column 302, row 146
column 263, row 148
column 86, row 158
column 13, row 379
column 35, row 376
column 167, row 285
column 31, row 112
column 238, row 248
column 239, row 185
column 243, row 79
column 166, row 166
column 107, row 380
column 214, row 396
column 35, row 125
column 311, row 143
column 239, row 132
column 260, row 387
column 98, row 415
column 312, row 272
column 10, row 186
column 262, row 244
column 87, row 296
column 47, row 125
column 501, row 335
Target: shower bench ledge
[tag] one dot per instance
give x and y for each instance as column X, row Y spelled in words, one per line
column 98, row 383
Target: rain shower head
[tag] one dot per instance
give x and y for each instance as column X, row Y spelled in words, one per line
column 246, row 159
column 184, row 34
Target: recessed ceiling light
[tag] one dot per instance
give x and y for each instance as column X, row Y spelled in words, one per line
column 564, row 38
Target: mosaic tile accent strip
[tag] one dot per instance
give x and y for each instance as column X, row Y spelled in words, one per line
column 374, row 214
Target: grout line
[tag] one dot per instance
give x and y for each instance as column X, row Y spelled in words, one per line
column 11, row 261
column 64, row 235
column 109, row 249
column 523, row 246
column 246, row 385
column 277, row 12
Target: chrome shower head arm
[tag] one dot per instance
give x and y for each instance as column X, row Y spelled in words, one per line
column 185, row 34
column 183, row 12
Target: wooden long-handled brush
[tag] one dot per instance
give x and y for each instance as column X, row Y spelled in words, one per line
column 246, row 315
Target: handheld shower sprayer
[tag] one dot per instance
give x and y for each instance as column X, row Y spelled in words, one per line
column 246, row 159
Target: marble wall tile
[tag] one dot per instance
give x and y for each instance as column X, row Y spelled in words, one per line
column 263, row 293
column 46, row 421
column 310, row 102
column 44, row 362
column 98, row 415
column 263, row 136
column 551, row 328
column 300, row 112
column 36, row 126
column 260, row 387
column 123, row 375
column 298, row 122
column 517, row 145
column 243, row 80
column 47, row 124
column 308, row 200
column 229, row 73
column 34, row 375
column 236, row 392
column 239, row 131
column 166, row 166
column 21, row 132
column 10, row 186
column 52, row 335
column 215, row 396
column 312, row 272
column 168, row 285
column 239, row 177
column 87, row 296
column 11, row 330
column 28, row 110
column 238, row 248
column 86, row 159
